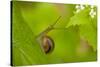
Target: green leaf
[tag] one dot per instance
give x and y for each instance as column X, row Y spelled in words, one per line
column 90, row 34
column 80, row 18
column 87, row 26
column 38, row 16
column 66, row 41
column 41, row 15
column 26, row 50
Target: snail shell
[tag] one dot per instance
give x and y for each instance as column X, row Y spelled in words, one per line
column 47, row 44
column 45, row 41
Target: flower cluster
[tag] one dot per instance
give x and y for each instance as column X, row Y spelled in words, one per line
column 79, row 8
column 92, row 12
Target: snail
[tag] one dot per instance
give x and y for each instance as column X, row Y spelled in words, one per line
column 45, row 41
column 48, row 44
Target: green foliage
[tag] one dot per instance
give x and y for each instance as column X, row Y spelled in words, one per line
column 66, row 42
column 90, row 34
column 87, row 26
column 31, row 18
column 80, row 18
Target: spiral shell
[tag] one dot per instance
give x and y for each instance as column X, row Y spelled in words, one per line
column 48, row 44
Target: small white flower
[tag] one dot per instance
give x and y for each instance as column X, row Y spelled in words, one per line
column 92, row 6
column 86, row 5
column 92, row 13
column 79, row 8
column 82, row 7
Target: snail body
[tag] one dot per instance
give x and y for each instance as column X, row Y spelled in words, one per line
column 45, row 41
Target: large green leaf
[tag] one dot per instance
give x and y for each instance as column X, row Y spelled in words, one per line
column 26, row 50
column 41, row 15
column 90, row 34
column 66, row 41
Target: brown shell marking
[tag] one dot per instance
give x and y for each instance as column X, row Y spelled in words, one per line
column 48, row 44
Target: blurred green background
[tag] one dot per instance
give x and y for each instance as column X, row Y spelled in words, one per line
column 73, row 42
